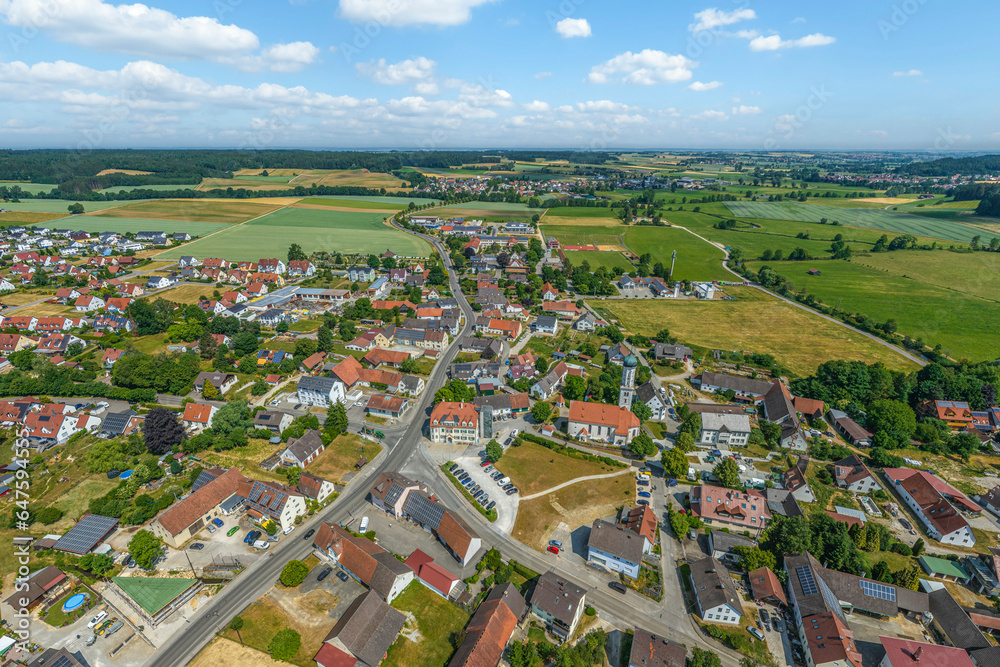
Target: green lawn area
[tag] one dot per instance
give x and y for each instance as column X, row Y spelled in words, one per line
column 305, row 325
column 493, row 206
column 608, row 259
column 975, row 273
column 339, row 457
column 437, row 620
column 354, row 199
column 248, row 459
column 57, row 205
column 262, row 621
column 33, row 188
column 58, row 618
column 752, row 321
column 533, row 468
column 585, row 235
column 580, row 212
column 965, row 325
column 228, row 211
column 889, row 221
column 398, row 204
column 315, row 229
column 696, row 259
column 98, row 223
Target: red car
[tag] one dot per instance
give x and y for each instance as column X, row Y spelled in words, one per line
column 554, row 550
column 484, row 464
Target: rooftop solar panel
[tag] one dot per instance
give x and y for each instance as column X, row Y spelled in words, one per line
column 85, row 535
column 806, row 580
column 393, row 494
column 880, row 591
column 424, row 510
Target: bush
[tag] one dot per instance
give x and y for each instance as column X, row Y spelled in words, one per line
column 902, row 549
column 294, row 573
column 285, row 644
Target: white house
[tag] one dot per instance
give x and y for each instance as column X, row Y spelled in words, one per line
column 853, row 475
column 88, row 303
column 732, row 430
column 928, row 497
column 715, row 593
column 320, row 391
column 615, row 548
column 652, row 398
column 198, row 416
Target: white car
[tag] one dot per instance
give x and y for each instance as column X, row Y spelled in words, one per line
column 289, row 529
column 97, row 620
column 364, row 524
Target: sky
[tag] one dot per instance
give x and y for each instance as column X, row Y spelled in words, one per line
column 438, row 74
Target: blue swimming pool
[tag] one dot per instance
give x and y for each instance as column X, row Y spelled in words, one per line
column 74, row 602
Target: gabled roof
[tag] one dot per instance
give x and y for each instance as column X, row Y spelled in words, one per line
column 367, row 628
column 713, row 585
column 908, row 653
column 648, row 650
column 187, row 511
column 764, row 584
column 641, row 520
column 557, row 597
column 615, row 540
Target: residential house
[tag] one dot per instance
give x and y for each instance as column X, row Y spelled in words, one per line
column 549, row 384
column 810, row 408
column 387, row 406
column 648, row 650
column 671, row 352
column 956, row 414
column 88, row 303
column 778, row 408
column 562, row 309
column 198, row 416
column 795, row 481
column 275, row 421
column 641, row 520
column 159, row 282
column 853, row 432
column 615, row 548
column 546, row 324
column 715, row 593
column 722, row 545
column 731, row 508
column 432, row 575
column 300, row 452
column 934, row 503
column 362, row 635
column 314, row 488
column 558, row 603
column 361, row 274
column 182, row 520
column 747, row 390
column 121, row 424
column 320, row 391
column 901, row 652
column 454, row 423
column 549, row 293
column 222, row 382
column 271, row 266
column 725, row 430
column 587, row 322
column 364, row 560
column 851, row 474
column 602, row 423
column 766, row 587
column 278, row 502
column 652, row 397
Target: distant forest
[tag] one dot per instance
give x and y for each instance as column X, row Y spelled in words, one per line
column 75, row 172
column 981, row 164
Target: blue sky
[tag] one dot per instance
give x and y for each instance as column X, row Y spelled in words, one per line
column 579, row 74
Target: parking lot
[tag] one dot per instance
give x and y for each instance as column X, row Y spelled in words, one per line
column 506, row 506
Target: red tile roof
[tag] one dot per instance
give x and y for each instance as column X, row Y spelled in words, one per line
column 600, row 414
column 764, row 584
column 830, row 639
column 908, row 653
column 187, row 511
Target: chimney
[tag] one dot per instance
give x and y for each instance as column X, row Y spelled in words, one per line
column 918, row 653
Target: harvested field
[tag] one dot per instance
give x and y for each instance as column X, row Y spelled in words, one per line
column 358, row 177
column 193, row 210
column 28, row 217
column 187, row 293
column 102, row 223
column 222, row 652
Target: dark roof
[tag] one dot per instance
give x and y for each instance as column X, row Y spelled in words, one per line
column 782, row 502
column 511, row 596
column 52, row 657
column 723, row 541
column 615, row 540
column 368, row 628
column 206, row 476
column 315, row 383
column 557, row 597
column 986, row 657
column 115, row 423
column 737, row 383
column 956, row 624
column 648, row 650
column 86, row 534
column 778, row 404
column 713, row 585
column 304, row 447
column 646, row 392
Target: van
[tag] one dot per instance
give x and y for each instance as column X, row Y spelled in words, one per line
column 261, row 544
column 363, row 527
column 691, row 474
column 503, row 481
column 755, row 632
column 644, row 476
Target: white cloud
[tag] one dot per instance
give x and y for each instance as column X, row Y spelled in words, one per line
column 774, row 42
column 145, row 31
column 799, row 19
column 716, row 18
column 645, row 68
column 426, row 88
column 711, row 114
column 744, row 110
column 543, row 75
column 410, row 12
column 477, row 95
column 403, row 72
column 909, row 72
column 536, row 106
column 700, row 87
column 573, row 28
column 603, row 106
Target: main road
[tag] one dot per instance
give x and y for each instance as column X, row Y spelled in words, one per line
column 406, row 452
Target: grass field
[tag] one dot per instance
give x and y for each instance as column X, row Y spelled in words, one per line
column 504, row 207
column 313, row 229
column 609, row 259
column 753, row 321
column 187, row 293
column 964, row 324
column 580, row 212
column 574, row 235
column 974, row 273
column 33, row 188
column 27, row 217
column 696, row 259
column 398, row 205
column 308, row 616
column 433, row 621
column 262, row 179
column 57, row 205
column 339, row 457
column 380, row 200
column 533, row 468
column 575, row 505
column 582, row 222
column 889, row 221
column 100, row 223
column 192, row 210
column 359, row 177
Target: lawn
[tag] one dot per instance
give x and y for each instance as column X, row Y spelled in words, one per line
column 502, row 207
column 432, row 621
column 606, row 234
column 975, row 273
column 32, row 188
column 965, row 325
column 187, row 293
column 595, row 258
column 533, row 468
column 889, row 221
column 696, row 259
column 247, row 459
column 101, row 223
column 580, row 212
column 262, row 622
column 356, row 199
column 192, row 210
column 339, row 457
column 576, row 505
column 313, row 229
column 753, row 321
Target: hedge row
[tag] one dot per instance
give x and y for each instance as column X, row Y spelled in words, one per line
column 569, row 451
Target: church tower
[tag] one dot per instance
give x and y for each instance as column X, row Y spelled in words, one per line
column 627, row 392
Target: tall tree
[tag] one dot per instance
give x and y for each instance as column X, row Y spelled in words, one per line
column 162, row 430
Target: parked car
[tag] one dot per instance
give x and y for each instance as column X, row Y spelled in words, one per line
column 484, row 464
column 91, row 640
column 642, row 482
column 261, row 544
column 97, row 620
column 197, row 546
column 489, row 469
column 692, row 534
column 324, row 574
column 233, row 531
column 458, row 472
column 309, row 533
column 212, row 528
column 453, row 468
column 288, row 530
column 764, row 617
column 617, row 586
column 363, row 526
column 510, row 492
column 553, row 550
column 491, row 505
column 755, row 632
column 642, row 501
column 218, row 522
column 555, row 543
column 342, row 575
column 644, row 494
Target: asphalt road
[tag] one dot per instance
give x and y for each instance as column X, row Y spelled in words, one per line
column 406, row 453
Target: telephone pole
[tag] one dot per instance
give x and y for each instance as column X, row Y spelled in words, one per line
column 673, row 258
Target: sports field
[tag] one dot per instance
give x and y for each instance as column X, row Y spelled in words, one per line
column 607, row 259
column 313, row 229
column 696, row 259
column 33, row 188
column 888, row 221
column 98, row 223
column 227, row 211
column 57, row 205
column 753, row 321
column 964, row 324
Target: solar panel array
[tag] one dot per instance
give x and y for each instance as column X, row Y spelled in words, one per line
column 62, row 661
column 806, row 580
column 393, row 495
column 85, row 535
column 880, row 591
column 424, row 510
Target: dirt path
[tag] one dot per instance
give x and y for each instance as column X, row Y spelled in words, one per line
column 574, row 481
